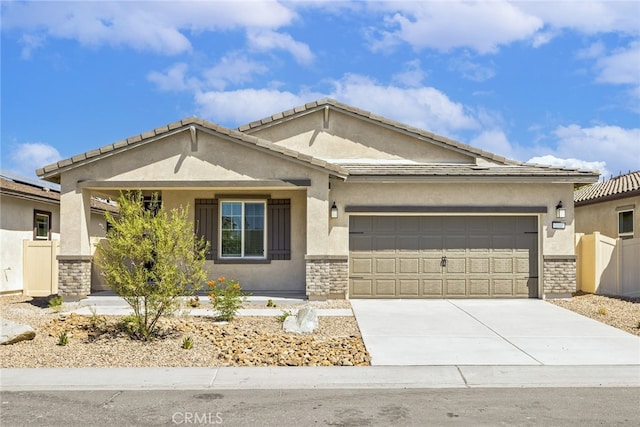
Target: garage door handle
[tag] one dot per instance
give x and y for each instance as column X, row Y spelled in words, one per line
column 356, row 277
column 443, row 261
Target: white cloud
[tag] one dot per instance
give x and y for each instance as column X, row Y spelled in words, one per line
column 265, row 40
column 233, row 69
column 242, row 106
column 160, row 27
column 173, row 80
column 27, row 157
column 587, row 17
column 594, row 50
column 570, row 163
column 482, row 26
column 621, row 67
column 472, row 70
column 494, row 141
column 412, row 76
column 422, row 107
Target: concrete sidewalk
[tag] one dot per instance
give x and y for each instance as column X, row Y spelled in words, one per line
column 271, row 378
column 111, row 305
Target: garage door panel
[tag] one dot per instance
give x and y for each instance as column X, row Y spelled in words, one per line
column 479, row 265
column 384, row 243
column 409, row 265
column 456, row 265
column 359, row 243
column 456, row 287
column 361, row 287
column 503, row 265
column 362, row 266
column 408, row 243
column 396, row 257
column 479, row 287
column 433, row 287
column 431, row 244
column 503, row 287
column 480, row 243
column 454, row 243
column 409, row 287
column 385, row 265
column 385, row 287
column 432, row 265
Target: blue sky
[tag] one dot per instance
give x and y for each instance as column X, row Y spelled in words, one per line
column 548, row 82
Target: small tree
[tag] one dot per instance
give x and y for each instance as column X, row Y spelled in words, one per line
column 152, row 257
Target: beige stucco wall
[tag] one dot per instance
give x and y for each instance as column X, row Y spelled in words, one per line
column 603, row 217
column 554, row 242
column 16, row 225
column 347, row 137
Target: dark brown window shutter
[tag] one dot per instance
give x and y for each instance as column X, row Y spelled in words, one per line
column 279, row 228
column 206, row 215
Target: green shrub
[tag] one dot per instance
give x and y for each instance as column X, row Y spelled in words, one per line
column 55, row 302
column 270, row 303
column 284, row 315
column 187, row 343
column 63, row 338
column 226, row 297
column 602, row 311
column 152, row 257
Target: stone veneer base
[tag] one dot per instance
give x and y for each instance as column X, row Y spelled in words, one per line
column 327, row 277
column 559, row 272
column 74, row 275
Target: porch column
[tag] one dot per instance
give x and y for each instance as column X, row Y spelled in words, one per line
column 74, row 259
column 326, row 275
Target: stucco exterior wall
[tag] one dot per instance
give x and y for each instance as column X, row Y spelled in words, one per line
column 258, row 277
column 346, row 137
column 603, row 217
column 16, row 225
column 554, row 242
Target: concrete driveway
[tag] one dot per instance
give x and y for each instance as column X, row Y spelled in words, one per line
column 488, row 332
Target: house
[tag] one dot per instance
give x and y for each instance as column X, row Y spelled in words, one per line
column 608, row 236
column 610, row 207
column 330, row 201
column 29, row 227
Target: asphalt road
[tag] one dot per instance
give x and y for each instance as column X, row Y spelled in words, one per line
column 398, row 407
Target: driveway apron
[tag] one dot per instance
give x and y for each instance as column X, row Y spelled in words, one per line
column 488, row 332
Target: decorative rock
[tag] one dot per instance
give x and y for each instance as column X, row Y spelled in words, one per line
column 305, row 321
column 12, row 332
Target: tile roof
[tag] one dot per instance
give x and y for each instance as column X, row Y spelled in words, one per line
column 614, row 188
column 331, row 103
column 42, row 192
column 444, row 170
column 53, row 170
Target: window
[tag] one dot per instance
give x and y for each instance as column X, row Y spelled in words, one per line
column 625, row 224
column 236, row 230
column 242, row 229
column 41, row 225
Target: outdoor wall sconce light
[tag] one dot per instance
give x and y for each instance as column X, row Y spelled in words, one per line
column 334, row 210
column 560, row 211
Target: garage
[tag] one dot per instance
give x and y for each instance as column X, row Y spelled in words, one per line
column 443, row 256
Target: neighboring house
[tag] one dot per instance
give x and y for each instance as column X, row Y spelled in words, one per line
column 30, row 212
column 331, row 201
column 610, row 207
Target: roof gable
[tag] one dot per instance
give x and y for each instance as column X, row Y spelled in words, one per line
column 327, row 106
column 616, row 188
column 193, row 125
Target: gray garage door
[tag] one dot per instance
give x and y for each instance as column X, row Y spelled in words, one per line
column 443, row 257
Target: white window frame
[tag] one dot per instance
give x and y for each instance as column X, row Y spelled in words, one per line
column 243, row 202
column 44, row 214
column 626, row 234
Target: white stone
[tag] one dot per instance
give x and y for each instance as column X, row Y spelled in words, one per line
column 305, row 321
column 12, row 332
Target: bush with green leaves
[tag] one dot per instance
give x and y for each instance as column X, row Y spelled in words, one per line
column 151, row 258
column 226, row 297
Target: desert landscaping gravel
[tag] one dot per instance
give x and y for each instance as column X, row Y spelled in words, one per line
column 98, row 341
